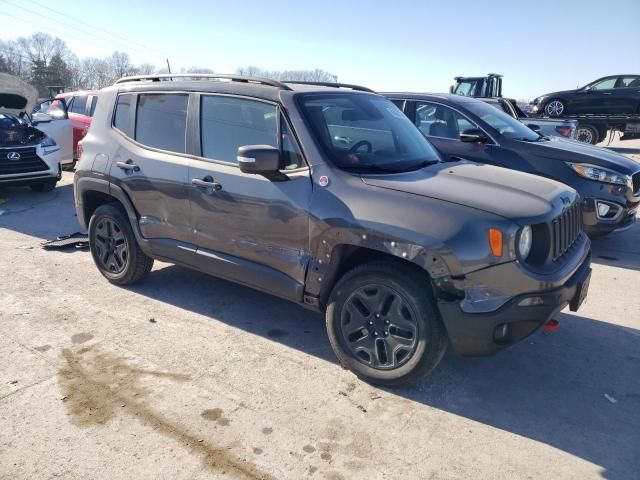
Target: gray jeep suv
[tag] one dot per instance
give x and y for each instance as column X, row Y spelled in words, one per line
column 328, row 196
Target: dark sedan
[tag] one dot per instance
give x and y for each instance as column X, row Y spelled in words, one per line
column 467, row 128
column 616, row 94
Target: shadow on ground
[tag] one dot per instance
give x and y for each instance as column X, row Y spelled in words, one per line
column 550, row 388
column 620, row 249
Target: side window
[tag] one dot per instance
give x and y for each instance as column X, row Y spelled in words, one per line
column 436, row 120
column 94, row 103
column 227, row 123
column 605, row 84
column 291, row 156
column 79, row 105
column 629, row 82
column 121, row 119
column 466, row 88
column 161, row 121
column 399, row 104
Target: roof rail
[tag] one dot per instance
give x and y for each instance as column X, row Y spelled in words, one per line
column 202, row 76
column 332, row 84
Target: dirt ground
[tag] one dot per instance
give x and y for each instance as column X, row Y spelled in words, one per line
column 190, row 377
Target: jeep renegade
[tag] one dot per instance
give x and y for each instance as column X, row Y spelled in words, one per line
column 328, row 196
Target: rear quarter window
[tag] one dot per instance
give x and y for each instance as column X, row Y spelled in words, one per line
column 122, row 116
column 161, row 121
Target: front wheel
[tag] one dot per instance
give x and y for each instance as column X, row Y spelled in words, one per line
column 383, row 324
column 555, row 108
column 114, row 248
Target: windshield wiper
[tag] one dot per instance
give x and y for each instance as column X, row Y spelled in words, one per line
column 388, row 168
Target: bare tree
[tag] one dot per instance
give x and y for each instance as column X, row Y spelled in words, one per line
column 121, row 65
column 316, row 75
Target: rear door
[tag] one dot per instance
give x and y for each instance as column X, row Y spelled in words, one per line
column 150, row 163
column 248, row 228
column 627, row 94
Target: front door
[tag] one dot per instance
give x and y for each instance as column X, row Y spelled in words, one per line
column 598, row 98
column 150, row 165
column 442, row 125
column 248, row 228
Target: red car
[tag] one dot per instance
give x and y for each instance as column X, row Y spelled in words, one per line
column 81, row 106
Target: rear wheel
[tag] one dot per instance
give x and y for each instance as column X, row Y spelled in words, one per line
column 45, row 186
column 114, row 248
column 587, row 134
column 555, row 108
column 383, row 324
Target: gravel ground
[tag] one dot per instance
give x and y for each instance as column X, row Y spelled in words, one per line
column 187, row 377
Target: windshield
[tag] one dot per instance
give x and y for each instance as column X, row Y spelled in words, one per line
column 503, row 123
column 364, row 132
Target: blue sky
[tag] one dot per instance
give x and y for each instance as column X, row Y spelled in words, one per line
column 403, row 45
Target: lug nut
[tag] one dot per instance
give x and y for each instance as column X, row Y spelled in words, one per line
column 370, row 322
column 386, row 334
column 375, row 334
column 386, row 322
column 377, row 315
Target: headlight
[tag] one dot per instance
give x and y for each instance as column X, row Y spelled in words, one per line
column 525, row 240
column 48, row 142
column 600, row 174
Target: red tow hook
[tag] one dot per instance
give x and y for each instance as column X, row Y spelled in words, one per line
column 552, row 325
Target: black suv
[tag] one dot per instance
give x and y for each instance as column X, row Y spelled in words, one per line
column 328, row 196
column 469, row 128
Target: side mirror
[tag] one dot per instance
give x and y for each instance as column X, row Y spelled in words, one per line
column 473, row 135
column 40, row 117
column 450, row 88
column 534, row 127
column 259, row 159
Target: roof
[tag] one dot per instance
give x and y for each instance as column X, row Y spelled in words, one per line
column 447, row 97
column 263, row 88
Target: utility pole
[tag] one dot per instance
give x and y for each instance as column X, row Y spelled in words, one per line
column 168, row 66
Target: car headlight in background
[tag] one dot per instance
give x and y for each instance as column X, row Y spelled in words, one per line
column 49, row 145
column 600, row 174
column 525, row 240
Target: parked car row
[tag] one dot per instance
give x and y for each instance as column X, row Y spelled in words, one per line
column 410, row 220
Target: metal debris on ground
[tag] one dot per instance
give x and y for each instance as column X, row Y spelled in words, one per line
column 75, row 240
column 12, row 382
column 610, row 398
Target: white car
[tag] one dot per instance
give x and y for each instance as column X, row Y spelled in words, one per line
column 29, row 155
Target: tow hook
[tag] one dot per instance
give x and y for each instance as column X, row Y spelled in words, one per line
column 552, row 325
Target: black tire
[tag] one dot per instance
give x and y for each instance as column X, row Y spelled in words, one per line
column 69, row 167
column 114, row 248
column 46, row 186
column 381, row 329
column 602, row 134
column 555, row 108
column 587, row 134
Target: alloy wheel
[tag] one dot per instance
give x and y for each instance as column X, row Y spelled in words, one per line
column 554, row 108
column 379, row 327
column 110, row 246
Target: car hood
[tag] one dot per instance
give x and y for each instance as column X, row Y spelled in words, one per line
column 517, row 196
column 579, row 152
column 16, row 96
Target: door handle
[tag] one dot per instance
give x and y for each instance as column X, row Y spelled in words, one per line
column 606, row 93
column 128, row 166
column 208, row 183
column 338, row 138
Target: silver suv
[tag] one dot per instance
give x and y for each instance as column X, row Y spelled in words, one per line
column 328, row 196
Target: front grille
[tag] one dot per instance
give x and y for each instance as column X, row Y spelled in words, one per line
column 565, row 230
column 29, row 162
column 636, row 183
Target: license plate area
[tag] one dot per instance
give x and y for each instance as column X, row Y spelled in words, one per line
column 581, row 293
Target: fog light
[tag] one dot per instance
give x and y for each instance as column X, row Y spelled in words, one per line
column 501, row 332
column 531, row 302
column 603, row 209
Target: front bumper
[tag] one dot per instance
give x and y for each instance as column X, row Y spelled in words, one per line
column 473, row 333
column 595, row 225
